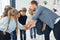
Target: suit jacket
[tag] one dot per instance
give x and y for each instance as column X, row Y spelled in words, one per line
column 45, row 15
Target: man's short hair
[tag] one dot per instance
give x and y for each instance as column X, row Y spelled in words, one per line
column 34, row 2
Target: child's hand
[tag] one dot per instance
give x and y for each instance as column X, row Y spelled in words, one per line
column 26, row 27
column 4, row 32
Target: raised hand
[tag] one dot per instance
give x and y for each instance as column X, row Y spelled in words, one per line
column 26, row 27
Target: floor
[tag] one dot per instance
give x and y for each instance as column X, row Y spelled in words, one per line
column 39, row 37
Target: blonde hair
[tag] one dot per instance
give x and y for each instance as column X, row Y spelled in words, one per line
column 12, row 12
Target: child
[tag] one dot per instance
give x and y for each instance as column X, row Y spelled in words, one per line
column 5, row 14
column 22, row 20
column 32, row 30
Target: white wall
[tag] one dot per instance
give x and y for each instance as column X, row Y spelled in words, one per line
column 3, row 3
column 25, row 3
column 22, row 3
column 0, row 7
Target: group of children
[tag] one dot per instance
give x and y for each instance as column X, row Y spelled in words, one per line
column 12, row 20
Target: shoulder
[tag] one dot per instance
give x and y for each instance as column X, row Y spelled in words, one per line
column 25, row 16
column 5, row 18
column 41, row 7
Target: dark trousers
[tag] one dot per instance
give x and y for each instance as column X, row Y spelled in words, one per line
column 14, row 35
column 5, row 37
column 56, row 31
column 33, row 30
column 23, row 32
column 47, row 32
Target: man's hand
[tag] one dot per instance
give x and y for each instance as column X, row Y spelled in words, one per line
column 44, row 27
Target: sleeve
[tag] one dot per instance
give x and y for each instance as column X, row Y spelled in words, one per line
column 27, row 20
column 4, row 23
column 4, row 20
column 37, row 13
column 20, row 26
column 1, row 21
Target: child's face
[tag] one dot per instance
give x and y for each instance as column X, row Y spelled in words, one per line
column 33, row 6
column 18, row 15
column 30, row 12
column 24, row 13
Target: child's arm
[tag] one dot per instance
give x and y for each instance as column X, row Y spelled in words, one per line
column 22, row 27
column 31, row 23
column 44, row 27
column 5, row 21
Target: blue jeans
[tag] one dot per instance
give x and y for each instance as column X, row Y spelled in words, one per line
column 23, row 32
column 14, row 35
column 47, row 32
column 33, row 30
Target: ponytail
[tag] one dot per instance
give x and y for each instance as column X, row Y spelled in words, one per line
column 9, row 17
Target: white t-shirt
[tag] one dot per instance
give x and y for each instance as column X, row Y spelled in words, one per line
column 29, row 17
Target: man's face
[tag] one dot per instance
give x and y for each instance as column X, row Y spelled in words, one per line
column 31, row 11
column 33, row 6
